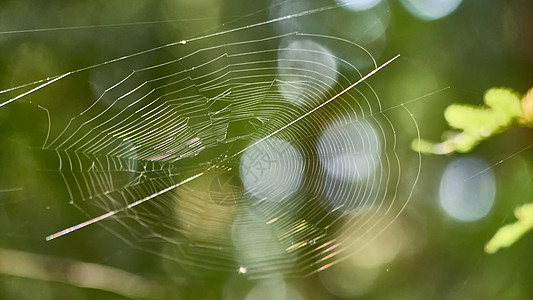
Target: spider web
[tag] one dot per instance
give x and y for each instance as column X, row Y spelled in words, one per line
column 251, row 155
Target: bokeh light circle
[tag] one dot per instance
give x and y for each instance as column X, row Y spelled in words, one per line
column 467, row 189
column 359, row 5
column 431, row 9
column 271, row 169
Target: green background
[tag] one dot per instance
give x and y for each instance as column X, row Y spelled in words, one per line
column 480, row 45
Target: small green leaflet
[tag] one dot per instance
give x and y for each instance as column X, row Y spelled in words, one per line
column 510, row 233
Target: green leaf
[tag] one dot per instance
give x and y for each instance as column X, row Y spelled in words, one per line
column 505, row 101
column 527, row 109
column 427, row 147
column 502, row 108
column 510, row 233
column 463, row 142
column 467, row 117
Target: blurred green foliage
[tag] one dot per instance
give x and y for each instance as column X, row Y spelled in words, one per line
column 503, row 108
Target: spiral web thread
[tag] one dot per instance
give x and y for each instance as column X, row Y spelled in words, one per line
column 148, row 157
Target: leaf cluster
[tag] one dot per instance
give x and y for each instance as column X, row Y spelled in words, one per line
column 472, row 124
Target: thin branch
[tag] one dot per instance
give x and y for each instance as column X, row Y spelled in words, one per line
column 80, row 274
